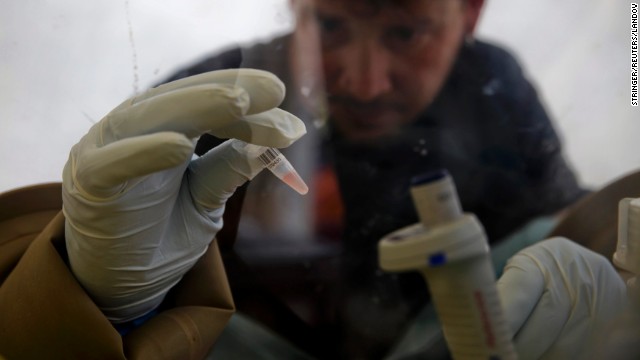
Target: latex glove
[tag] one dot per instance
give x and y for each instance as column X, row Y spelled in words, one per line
column 557, row 295
column 139, row 211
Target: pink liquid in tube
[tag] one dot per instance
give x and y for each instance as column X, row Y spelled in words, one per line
column 283, row 170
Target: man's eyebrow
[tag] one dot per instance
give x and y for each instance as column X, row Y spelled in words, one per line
column 323, row 14
column 417, row 23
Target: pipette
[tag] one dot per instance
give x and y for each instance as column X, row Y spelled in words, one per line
column 451, row 250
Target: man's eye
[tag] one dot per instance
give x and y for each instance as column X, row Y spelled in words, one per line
column 401, row 33
column 406, row 37
column 329, row 24
column 333, row 31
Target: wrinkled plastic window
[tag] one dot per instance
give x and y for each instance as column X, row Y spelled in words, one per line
column 65, row 65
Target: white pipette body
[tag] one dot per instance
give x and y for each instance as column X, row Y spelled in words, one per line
column 451, row 251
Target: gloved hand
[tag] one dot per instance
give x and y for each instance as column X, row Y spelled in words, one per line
column 557, row 295
column 139, row 210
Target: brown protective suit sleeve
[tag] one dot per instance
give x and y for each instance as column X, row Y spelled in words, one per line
column 45, row 313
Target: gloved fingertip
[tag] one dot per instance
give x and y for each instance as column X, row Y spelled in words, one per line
column 274, row 128
column 519, row 289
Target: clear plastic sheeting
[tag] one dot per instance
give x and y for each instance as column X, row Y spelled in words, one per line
column 528, row 109
column 65, row 64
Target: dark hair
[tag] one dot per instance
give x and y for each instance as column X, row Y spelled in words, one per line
column 372, row 7
column 367, row 7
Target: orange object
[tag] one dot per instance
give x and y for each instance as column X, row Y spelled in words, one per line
column 329, row 215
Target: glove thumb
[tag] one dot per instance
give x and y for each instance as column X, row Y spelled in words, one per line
column 214, row 177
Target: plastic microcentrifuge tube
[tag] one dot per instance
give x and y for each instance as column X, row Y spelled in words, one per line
column 273, row 160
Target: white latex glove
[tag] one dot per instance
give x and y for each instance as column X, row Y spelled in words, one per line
column 557, row 295
column 139, row 211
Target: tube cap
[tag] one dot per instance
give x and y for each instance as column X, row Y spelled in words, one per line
column 435, row 198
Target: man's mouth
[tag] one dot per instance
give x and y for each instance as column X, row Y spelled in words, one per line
column 365, row 120
column 364, row 113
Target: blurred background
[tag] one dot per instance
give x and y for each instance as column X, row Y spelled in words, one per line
column 64, row 64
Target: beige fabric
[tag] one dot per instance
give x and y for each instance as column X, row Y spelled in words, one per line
column 45, row 314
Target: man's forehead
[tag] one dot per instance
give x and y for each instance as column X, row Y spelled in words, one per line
column 364, row 8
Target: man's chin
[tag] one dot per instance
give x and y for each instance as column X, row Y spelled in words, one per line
column 369, row 135
column 368, row 124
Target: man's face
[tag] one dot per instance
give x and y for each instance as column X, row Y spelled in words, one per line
column 383, row 64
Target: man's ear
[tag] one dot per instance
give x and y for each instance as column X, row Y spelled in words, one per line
column 473, row 10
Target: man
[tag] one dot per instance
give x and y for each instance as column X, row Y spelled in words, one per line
column 409, row 90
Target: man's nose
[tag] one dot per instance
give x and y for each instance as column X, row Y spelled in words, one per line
column 366, row 71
